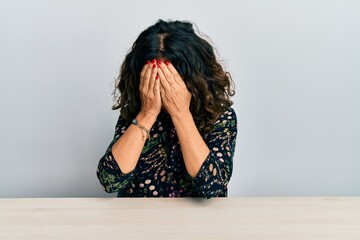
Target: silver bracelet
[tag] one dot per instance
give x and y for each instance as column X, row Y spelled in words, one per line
column 135, row 122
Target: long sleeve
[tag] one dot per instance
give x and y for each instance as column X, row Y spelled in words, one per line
column 215, row 173
column 108, row 172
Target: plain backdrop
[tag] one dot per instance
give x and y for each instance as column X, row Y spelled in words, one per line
column 295, row 64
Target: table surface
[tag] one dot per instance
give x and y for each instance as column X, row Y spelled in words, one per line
column 264, row 218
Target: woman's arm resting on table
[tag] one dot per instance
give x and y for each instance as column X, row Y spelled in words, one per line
column 117, row 168
column 208, row 162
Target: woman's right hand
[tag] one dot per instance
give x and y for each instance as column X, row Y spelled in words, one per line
column 150, row 89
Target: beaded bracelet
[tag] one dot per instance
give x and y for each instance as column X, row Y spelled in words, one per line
column 136, row 123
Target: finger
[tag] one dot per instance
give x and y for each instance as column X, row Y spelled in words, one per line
column 142, row 73
column 143, row 70
column 167, row 74
column 157, row 86
column 162, row 92
column 173, row 72
column 152, row 81
column 148, row 76
column 154, row 70
column 163, row 82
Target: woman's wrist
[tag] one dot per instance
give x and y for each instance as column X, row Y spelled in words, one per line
column 145, row 119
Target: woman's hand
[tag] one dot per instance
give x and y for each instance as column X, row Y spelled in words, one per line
column 174, row 94
column 150, row 89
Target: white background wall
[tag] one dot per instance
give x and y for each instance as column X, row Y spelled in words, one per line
column 296, row 67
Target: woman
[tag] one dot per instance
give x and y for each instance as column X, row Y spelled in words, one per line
column 176, row 132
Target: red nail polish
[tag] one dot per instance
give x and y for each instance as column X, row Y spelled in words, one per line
column 153, row 61
column 166, row 62
column 159, row 61
column 157, row 77
column 147, row 62
column 154, row 65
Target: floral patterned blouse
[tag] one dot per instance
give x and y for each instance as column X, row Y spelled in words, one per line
column 160, row 170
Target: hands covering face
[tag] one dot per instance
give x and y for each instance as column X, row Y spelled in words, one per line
column 161, row 84
column 174, row 93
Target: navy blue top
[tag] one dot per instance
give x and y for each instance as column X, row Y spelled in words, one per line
column 160, row 170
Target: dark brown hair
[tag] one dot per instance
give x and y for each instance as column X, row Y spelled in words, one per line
column 192, row 56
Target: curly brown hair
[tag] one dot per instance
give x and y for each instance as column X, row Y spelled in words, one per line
column 194, row 59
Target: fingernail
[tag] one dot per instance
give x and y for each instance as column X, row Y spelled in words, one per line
column 147, row 62
column 153, row 61
column 154, row 65
column 159, row 61
column 157, row 77
column 166, row 62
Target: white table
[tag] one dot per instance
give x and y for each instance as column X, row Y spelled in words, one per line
column 248, row 218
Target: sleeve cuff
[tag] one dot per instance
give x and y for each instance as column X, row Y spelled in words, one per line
column 115, row 166
column 201, row 180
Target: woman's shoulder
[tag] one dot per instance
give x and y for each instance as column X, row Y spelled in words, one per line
column 228, row 115
column 230, row 111
column 226, row 121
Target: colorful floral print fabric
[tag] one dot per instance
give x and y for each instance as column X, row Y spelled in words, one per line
column 160, row 170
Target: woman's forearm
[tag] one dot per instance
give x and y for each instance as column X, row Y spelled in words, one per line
column 127, row 149
column 193, row 147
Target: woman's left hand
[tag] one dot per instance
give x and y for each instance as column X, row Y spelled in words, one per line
column 174, row 93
